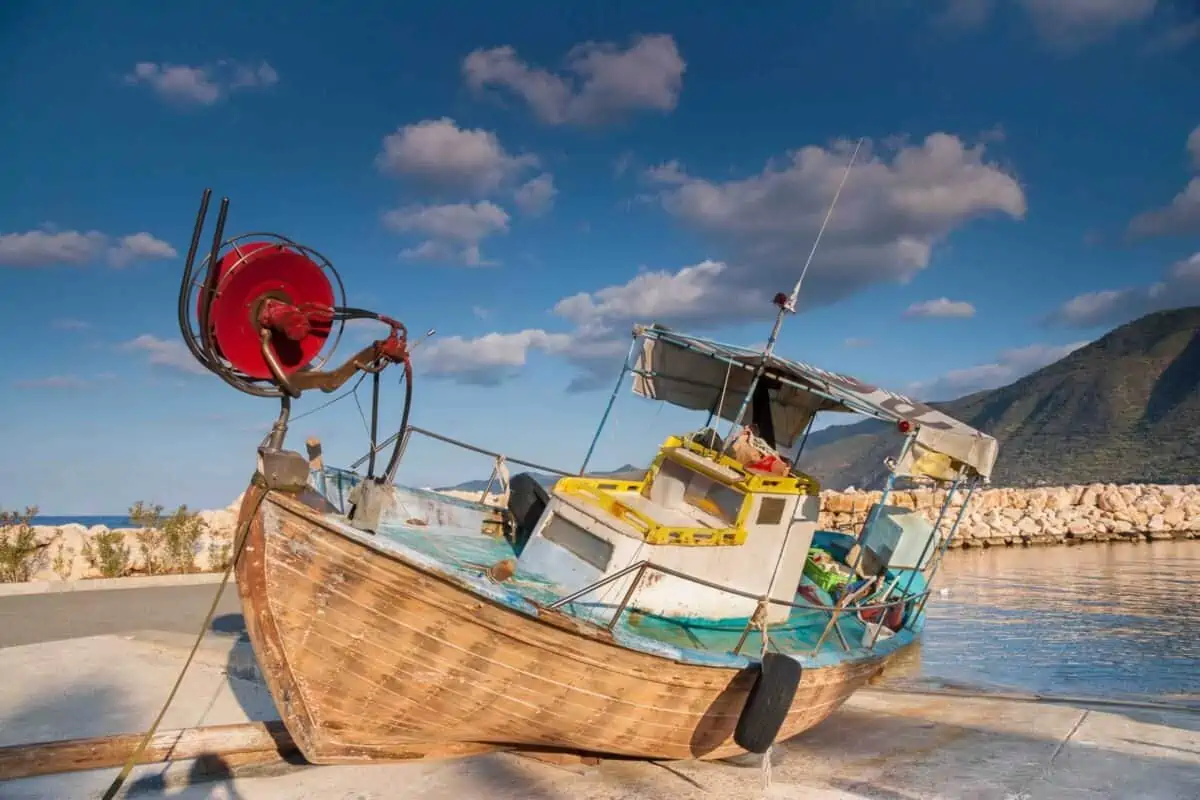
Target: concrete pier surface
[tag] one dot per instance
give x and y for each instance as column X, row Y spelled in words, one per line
column 882, row 744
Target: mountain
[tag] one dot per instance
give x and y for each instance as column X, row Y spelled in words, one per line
column 1123, row 409
column 545, row 478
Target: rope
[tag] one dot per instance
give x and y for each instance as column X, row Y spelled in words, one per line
column 239, row 541
column 760, row 617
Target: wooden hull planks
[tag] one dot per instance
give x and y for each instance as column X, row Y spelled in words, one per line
column 374, row 657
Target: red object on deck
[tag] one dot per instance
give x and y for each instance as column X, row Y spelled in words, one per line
column 269, row 285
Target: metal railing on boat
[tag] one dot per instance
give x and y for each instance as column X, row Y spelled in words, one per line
column 644, row 566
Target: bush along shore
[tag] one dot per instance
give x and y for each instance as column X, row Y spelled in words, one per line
column 202, row 541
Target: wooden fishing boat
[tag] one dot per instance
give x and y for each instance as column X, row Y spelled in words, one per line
column 690, row 611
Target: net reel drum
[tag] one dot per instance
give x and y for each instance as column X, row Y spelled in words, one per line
column 265, row 314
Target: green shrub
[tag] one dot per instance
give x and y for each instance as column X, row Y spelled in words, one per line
column 22, row 552
column 168, row 544
column 108, row 553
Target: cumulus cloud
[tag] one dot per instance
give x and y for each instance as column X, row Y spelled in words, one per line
column 1009, row 366
column 52, row 382
column 537, row 196
column 454, row 230
column 891, row 214
column 605, row 82
column 138, row 246
column 942, row 307
column 1180, row 216
column 486, row 360
column 440, row 155
column 1193, row 147
column 44, row 248
column 964, row 13
column 168, row 353
column 203, row 85
column 1064, row 25
column 68, row 324
column 1180, row 287
column 689, row 293
column 1074, row 23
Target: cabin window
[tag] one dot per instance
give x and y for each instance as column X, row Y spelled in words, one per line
column 770, row 511
column 714, row 498
column 576, row 540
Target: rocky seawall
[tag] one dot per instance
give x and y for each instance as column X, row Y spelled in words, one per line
column 1065, row 515
column 1042, row 516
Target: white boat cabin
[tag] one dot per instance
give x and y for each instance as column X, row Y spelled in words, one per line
column 696, row 511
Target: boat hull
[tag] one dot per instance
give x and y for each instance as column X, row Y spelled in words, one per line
column 374, row 657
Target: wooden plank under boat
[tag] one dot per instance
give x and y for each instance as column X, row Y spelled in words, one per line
column 375, row 655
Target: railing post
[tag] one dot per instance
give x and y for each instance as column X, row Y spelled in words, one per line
column 942, row 551
column 612, row 623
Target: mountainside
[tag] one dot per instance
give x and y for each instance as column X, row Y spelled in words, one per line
column 1125, row 408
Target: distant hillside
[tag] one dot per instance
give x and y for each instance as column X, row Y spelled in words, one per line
column 1125, row 408
column 544, row 478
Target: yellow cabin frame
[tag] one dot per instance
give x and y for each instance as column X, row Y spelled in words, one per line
column 601, row 494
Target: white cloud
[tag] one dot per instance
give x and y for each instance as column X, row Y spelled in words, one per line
column 52, row 382
column 139, row 246
column 441, row 155
column 1070, row 24
column 1009, row 366
column 941, row 307
column 454, row 230
column 1179, row 287
column 537, row 196
column 691, row 292
column 68, row 324
column 168, row 353
column 607, row 82
column 42, row 248
column 203, row 85
column 891, row 214
column 486, row 360
column 1180, row 216
column 1065, row 25
column 964, row 13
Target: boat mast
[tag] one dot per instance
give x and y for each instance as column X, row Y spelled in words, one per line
column 787, row 303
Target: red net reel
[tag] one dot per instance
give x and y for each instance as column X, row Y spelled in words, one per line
column 268, row 285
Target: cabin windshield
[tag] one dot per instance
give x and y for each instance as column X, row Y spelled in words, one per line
column 677, row 484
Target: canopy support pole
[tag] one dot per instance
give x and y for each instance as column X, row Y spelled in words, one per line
column 608, row 409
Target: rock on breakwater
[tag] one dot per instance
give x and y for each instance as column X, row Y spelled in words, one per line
column 1043, row 515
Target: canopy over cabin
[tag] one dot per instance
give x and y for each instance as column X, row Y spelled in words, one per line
column 700, row 374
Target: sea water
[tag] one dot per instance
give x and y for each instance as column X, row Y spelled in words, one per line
column 1110, row 620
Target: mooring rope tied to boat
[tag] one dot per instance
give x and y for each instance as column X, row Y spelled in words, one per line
column 239, row 543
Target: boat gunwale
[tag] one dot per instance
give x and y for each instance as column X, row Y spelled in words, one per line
column 510, row 601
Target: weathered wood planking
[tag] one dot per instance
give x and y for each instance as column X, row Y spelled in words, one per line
column 99, row 752
column 371, row 657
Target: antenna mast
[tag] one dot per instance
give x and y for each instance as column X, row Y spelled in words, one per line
column 787, row 303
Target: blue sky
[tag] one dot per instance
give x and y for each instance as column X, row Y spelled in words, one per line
column 531, row 179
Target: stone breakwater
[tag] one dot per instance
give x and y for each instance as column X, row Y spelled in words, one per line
column 996, row 517
column 1059, row 515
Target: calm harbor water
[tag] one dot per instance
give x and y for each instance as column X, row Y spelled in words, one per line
column 1119, row 620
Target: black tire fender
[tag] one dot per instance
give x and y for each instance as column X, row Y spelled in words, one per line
column 768, row 702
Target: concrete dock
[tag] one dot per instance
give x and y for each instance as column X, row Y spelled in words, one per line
column 883, row 744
